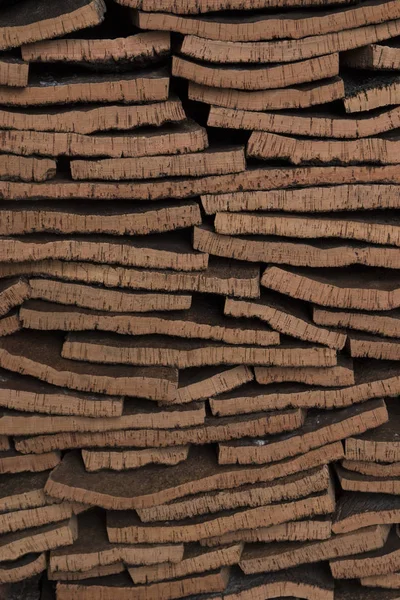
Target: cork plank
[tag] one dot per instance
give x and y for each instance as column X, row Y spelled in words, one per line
column 22, row 168
column 385, row 57
column 13, row 71
column 390, row 581
column 383, row 323
column 355, row 510
column 25, row 567
column 374, row 469
column 4, row 443
column 200, row 383
column 102, row 571
column 365, row 91
column 10, row 323
column 371, row 346
column 355, row 482
column 13, row 462
column 13, row 292
column 342, row 375
column 132, row 458
column 22, row 491
column 28, row 518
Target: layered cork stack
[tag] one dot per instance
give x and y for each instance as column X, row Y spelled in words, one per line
column 199, row 299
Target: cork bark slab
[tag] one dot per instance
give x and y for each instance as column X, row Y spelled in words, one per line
column 287, row 317
column 126, row 527
column 24, row 23
column 260, row 27
column 202, row 382
column 389, row 581
column 365, row 290
column 120, row 586
column 121, row 460
column 13, row 462
column 22, row 491
column 252, row 495
column 184, row 7
column 204, row 320
column 169, row 139
column 88, row 119
column 368, row 345
column 101, row 298
column 385, row 57
column 355, row 510
column 135, row 50
column 214, row 429
column 4, row 443
column 214, row 161
column 154, row 485
column 10, row 323
column 279, row 250
column 117, row 220
column 195, row 560
column 13, row 71
column 372, row 468
column 184, row 353
column 320, row 428
column 339, row 376
column 256, row 77
column 385, row 323
column 51, row 512
column 367, row 91
column 13, row 292
column 93, row 549
column 143, row 86
column 29, row 353
column 355, row 482
column 103, row 571
column 274, row 557
column 26, row 169
column 23, row 568
column 350, row 590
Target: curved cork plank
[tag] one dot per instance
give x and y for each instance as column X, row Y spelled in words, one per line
column 341, row 375
column 367, row 91
column 139, row 49
column 21, row 168
column 274, row 557
column 172, row 138
column 289, row 488
column 201, row 6
column 302, row 96
column 144, row 86
column 29, row 353
column 283, row 315
column 372, row 468
column 368, row 345
column 51, row 512
column 256, row 77
column 389, row 581
column 21, row 491
column 204, row 320
column 184, row 353
column 385, row 57
column 385, row 323
column 355, row 482
column 13, row 71
column 213, row 161
column 23, row 568
column 102, row 571
column 203, row 382
column 320, row 428
column 147, row 487
column 13, row 292
column 13, row 462
column 340, row 289
column 285, row 50
column 355, row 510
column 86, row 119
column 279, row 250
column 121, row 460
column 10, row 323
column 260, row 27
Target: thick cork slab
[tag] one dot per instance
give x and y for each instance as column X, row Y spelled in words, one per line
column 93, row 549
column 23, row 568
column 252, row 495
column 380, row 57
column 184, row 7
column 10, row 323
column 372, row 468
column 301, row 96
column 204, row 320
column 383, row 323
column 22, row 491
column 21, row 168
column 13, row 292
column 268, row 27
column 121, row 460
column 87, row 119
column 51, row 512
column 103, row 571
column 134, row 50
column 365, row 290
column 339, row 376
column 104, row 299
column 13, row 71
column 256, row 77
column 367, row 91
column 389, row 581
column 320, row 428
column 274, row 557
column 155, row 484
column 286, row 316
column 28, row 353
column 13, row 462
column 4, row 443
column 356, row 510
column 202, row 382
column 51, row 88
column 368, row 345
column 126, row 527
column 355, row 482
column 24, row 23
column 184, row 353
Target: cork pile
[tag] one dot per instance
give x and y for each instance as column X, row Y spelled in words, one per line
column 199, row 299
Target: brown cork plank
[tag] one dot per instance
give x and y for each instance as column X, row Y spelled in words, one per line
column 13, row 462
column 368, row 345
column 86, row 119
column 143, row 86
column 295, row 252
column 355, row 482
column 286, row 316
column 13, row 292
column 29, row 353
column 184, row 353
column 135, row 50
column 26, row 168
column 301, row 96
column 389, row 581
column 23, row 568
column 105, row 299
column 214, row 429
column 126, row 527
column 50, row 512
column 10, row 323
column 213, row 161
column 24, row 23
column 320, row 428
column 372, row 468
column 339, row 376
column 259, row 27
column 4, row 443
column 351, row 590
column 132, row 458
column 385, row 57
column 283, row 555
column 203, row 320
column 251, row 495
column 355, row 510
column 202, row 6
column 374, row 562
column 156, row 484
column 116, row 220
column 257, row 77
column 169, row 139
column 341, row 288
column 202, row 382
column 13, row 71
column 22, row 491
column 102, row 571
column 365, row 91
column 382, row 323
column 93, row 549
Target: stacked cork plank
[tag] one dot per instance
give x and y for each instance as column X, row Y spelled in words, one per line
column 199, row 317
